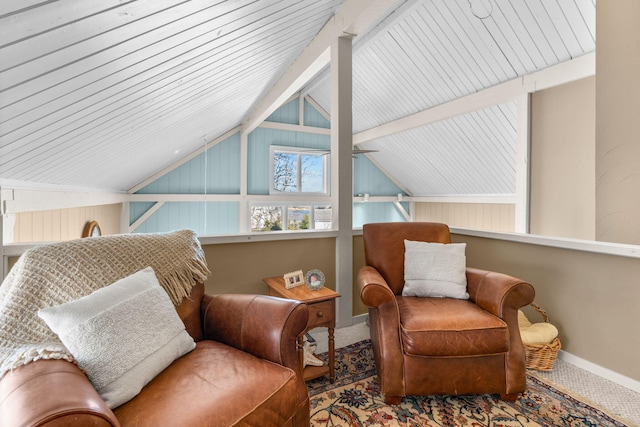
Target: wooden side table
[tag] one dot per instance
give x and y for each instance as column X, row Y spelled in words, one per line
column 322, row 314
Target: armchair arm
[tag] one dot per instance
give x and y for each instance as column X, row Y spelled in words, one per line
column 384, row 324
column 497, row 292
column 374, row 290
column 51, row 393
column 503, row 295
column 264, row 326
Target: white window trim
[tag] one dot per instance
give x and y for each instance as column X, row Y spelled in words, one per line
column 326, row 170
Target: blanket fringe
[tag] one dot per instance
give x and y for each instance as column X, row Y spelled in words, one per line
column 179, row 283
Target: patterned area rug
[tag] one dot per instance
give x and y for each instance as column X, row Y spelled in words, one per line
column 354, row 399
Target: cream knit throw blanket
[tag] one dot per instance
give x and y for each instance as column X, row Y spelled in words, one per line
column 53, row 274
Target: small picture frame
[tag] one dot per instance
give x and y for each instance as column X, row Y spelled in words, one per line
column 314, row 279
column 293, row 279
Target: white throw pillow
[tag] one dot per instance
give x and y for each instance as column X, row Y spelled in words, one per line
column 122, row 335
column 435, row 270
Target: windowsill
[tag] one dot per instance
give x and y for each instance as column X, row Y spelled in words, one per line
column 266, row 236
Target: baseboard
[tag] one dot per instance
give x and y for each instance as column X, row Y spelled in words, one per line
column 321, row 336
column 601, row 371
column 361, row 318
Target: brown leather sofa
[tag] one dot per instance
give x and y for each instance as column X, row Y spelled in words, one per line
column 244, row 371
column 436, row 346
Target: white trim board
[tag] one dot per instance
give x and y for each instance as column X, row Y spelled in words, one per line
column 564, row 72
column 608, row 248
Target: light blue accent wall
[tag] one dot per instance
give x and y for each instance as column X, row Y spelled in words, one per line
column 203, row 217
column 313, row 118
column 369, row 179
column 288, row 113
column 215, row 172
column 137, row 209
column 218, row 172
column 364, row 213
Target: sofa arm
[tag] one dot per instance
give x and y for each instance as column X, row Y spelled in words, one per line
column 267, row 327
column 51, row 393
column 497, row 293
column 374, row 290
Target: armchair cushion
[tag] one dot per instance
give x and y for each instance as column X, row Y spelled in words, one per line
column 447, row 327
column 230, row 386
column 435, row 270
column 122, row 335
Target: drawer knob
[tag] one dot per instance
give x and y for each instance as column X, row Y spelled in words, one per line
column 320, row 314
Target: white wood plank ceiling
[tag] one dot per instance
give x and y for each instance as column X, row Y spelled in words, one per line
column 102, row 94
column 105, row 94
column 435, row 51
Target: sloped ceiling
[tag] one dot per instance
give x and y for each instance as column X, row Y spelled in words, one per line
column 434, row 51
column 105, row 94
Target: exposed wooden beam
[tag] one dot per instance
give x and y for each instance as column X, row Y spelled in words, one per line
column 402, row 211
column 486, row 198
column 353, row 17
column 523, row 151
column 228, row 198
column 469, row 198
column 386, row 21
column 562, row 73
column 243, row 205
column 153, row 209
column 295, row 128
column 342, row 172
column 317, row 106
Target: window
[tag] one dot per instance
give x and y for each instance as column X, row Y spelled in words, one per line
column 298, row 171
column 295, row 216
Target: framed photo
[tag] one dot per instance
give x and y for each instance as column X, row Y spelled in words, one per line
column 293, row 279
column 314, row 279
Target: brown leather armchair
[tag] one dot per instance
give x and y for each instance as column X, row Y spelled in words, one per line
column 244, row 371
column 435, row 346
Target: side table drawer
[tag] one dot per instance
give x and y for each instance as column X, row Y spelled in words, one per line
column 320, row 313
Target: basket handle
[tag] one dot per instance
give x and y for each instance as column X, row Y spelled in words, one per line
column 541, row 311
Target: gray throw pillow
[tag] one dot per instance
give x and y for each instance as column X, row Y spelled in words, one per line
column 435, row 270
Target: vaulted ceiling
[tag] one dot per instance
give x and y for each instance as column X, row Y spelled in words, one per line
column 431, row 52
column 104, row 94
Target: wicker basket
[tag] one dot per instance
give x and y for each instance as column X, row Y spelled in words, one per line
column 542, row 356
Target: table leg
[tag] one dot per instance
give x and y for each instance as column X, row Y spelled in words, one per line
column 332, row 356
column 300, row 348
